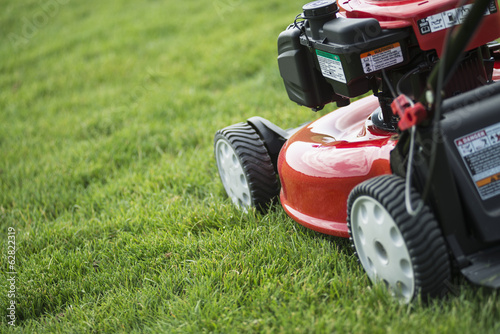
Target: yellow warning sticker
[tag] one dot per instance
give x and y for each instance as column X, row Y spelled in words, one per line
column 488, row 180
column 381, row 58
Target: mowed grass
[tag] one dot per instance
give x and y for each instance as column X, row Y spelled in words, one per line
column 107, row 116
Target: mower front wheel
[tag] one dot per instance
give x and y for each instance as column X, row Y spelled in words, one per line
column 245, row 167
column 407, row 253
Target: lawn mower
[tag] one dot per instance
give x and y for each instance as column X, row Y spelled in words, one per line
column 411, row 172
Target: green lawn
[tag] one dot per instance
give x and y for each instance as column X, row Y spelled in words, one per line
column 107, row 116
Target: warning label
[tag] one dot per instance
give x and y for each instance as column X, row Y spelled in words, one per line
column 450, row 18
column 331, row 66
column 384, row 57
column 481, row 153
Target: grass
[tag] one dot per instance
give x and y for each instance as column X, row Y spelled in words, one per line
column 108, row 111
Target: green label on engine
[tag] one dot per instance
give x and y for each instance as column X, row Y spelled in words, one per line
column 327, row 55
column 331, row 66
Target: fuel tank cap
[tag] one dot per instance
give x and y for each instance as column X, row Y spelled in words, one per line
column 319, row 8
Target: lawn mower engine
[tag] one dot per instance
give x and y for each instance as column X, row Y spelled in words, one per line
column 411, row 173
column 332, row 53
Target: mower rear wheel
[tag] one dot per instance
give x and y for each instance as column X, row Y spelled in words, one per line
column 245, row 167
column 407, row 253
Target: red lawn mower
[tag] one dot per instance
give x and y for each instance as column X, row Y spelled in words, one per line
column 411, row 173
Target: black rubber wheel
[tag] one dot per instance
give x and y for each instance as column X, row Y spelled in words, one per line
column 245, row 167
column 407, row 253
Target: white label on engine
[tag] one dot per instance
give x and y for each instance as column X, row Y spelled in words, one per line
column 331, row 66
column 481, row 153
column 380, row 58
column 450, row 18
